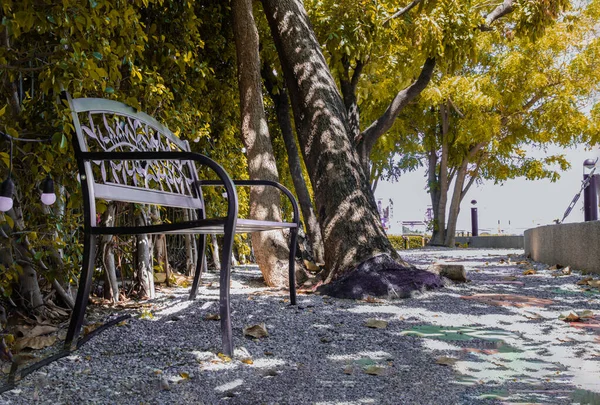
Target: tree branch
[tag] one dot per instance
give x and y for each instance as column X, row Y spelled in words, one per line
column 401, row 12
column 369, row 136
column 500, row 11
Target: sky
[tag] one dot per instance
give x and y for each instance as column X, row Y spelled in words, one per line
column 525, row 203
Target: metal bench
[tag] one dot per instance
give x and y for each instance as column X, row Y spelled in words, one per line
column 127, row 156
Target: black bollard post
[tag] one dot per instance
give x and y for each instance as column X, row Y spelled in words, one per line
column 474, row 224
column 590, row 197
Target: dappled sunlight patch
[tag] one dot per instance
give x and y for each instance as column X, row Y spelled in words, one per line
column 373, row 355
column 172, row 309
column 360, row 401
column 267, row 363
column 230, row 385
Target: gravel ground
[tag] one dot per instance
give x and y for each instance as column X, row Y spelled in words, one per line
column 437, row 348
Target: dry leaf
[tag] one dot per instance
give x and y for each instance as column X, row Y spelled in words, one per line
column 571, row 318
column 372, row 300
column 212, row 317
column 529, row 272
column 446, row 361
column 90, row 328
column 523, row 262
column 566, row 271
column 585, row 281
column 39, row 330
column 555, row 267
column 224, row 357
column 256, row 331
column 36, row 343
column 247, row 360
column 376, row 323
column 184, row 375
column 122, row 323
column 594, row 283
column 374, row 370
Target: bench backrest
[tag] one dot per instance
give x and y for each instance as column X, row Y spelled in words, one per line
column 109, row 126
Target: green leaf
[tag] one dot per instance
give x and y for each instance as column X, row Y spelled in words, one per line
column 38, row 255
column 93, row 3
column 109, row 90
column 97, row 55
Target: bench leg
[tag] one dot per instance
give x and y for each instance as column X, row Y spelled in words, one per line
column 83, row 292
column 292, row 275
column 200, row 265
column 224, row 282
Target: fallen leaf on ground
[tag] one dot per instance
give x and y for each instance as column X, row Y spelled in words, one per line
column 184, row 375
column 348, row 370
column 555, row 267
column 212, row 317
column 523, row 262
column 586, row 314
column 376, row 323
column 584, row 281
column 38, row 330
column 570, row 318
column 247, row 360
column 446, row 361
column 36, row 343
column 566, row 271
column 256, row 331
column 224, row 357
column 374, row 370
column 372, row 300
column 594, row 283
column 529, row 272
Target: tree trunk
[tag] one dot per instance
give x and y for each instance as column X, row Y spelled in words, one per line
column 215, row 251
column 270, row 248
column 111, row 286
column 358, row 254
column 455, row 204
column 145, row 273
column 282, row 108
column 442, row 179
column 190, row 259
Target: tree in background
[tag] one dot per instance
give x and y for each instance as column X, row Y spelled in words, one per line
column 478, row 123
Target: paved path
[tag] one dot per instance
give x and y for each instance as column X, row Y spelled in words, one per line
column 503, row 343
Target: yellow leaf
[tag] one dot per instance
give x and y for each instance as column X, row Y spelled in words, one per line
column 529, row 272
column 9, row 221
column 571, row 318
column 224, row 357
column 247, row 360
column 184, row 375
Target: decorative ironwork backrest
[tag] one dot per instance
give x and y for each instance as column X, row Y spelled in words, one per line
column 109, row 126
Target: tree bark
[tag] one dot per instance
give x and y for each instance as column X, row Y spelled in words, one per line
column 282, row 109
column 111, row 288
column 215, row 251
column 459, row 193
column 270, row 247
column 442, row 179
column 145, row 273
column 367, row 139
column 358, row 254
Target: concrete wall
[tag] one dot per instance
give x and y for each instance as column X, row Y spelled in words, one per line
column 574, row 245
column 500, row 242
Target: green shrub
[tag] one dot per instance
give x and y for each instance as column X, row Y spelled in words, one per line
column 414, row 242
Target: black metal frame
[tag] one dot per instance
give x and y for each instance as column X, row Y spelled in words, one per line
column 198, row 226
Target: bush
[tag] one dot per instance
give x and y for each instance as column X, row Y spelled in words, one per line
column 398, row 242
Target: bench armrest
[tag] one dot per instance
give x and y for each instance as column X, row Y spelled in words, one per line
column 225, row 180
column 282, row 188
